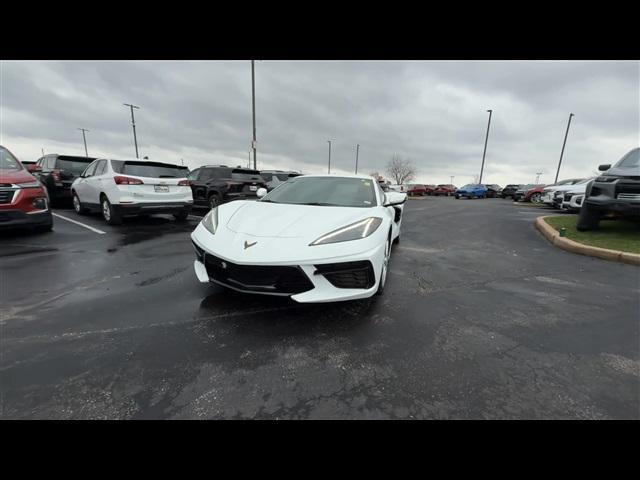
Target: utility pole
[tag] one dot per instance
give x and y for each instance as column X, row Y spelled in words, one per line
column 485, row 146
column 357, row 150
column 563, row 144
column 253, row 106
column 133, row 123
column 538, row 177
column 452, row 177
column 42, row 151
column 86, row 153
column 329, row 141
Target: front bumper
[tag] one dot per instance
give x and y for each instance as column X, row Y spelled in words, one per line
column 607, row 204
column 320, row 287
column 13, row 218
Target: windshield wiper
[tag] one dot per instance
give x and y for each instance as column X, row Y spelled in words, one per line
column 320, row 204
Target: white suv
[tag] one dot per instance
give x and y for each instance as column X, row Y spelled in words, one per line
column 120, row 188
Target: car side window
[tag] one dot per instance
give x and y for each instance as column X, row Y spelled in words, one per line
column 51, row 163
column 194, row 174
column 90, row 170
column 100, row 167
column 206, row 174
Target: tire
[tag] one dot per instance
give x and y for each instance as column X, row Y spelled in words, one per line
column 588, row 219
column 457, row 197
column 536, row 198
column 77, row 205
column 108, row 213
column 181, row 217
column 214, row 200
column 385, row 267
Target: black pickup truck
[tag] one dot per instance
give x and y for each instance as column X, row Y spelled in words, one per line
column 213, row 185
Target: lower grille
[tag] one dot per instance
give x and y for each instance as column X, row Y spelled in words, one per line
column 285, row 280
column 348, row 274
column 6, row 196
column 629, row 196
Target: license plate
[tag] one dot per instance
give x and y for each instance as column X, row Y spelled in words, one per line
column 253, row 188
column 161, row 188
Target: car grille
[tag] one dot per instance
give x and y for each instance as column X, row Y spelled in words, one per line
column 629, row 196
column 284, row 280
column 624, row 187
column 6, row 195
column 348, row 274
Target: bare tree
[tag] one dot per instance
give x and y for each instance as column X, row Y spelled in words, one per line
column 401, row 170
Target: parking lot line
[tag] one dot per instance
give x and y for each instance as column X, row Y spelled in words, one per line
column 78, row 223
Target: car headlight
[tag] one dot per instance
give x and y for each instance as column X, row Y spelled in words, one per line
column 210, row 220
column 607, row 178
column 35, row 184
column 354, row 231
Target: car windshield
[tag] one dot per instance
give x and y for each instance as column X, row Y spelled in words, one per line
column 325, row 191
column 631, row 159
column 8, row 161
column 149, row 169
column 469, row 186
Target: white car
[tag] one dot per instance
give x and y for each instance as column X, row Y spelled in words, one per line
column 315, row 238
column 550, row 191
column 572, row 201
column 119, row 188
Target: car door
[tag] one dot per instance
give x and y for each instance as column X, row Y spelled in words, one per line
column 83, row 187
column 97, row 181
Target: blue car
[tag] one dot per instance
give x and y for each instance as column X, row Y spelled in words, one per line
column 473, row 190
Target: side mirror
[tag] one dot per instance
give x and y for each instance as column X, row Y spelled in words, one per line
column 604, row 168
column 34, row 168
column 261, row 192
column 394, row 198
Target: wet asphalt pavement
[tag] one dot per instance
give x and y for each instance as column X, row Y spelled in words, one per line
column 481, row 318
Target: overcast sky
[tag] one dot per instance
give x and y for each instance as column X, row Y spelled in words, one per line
column 431, row 112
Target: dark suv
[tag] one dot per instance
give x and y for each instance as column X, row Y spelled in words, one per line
column 617, row 191
column 213, row 185
column 493, row 190
column 510, row 190
column 57, row 173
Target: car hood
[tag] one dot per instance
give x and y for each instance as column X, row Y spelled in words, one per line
column 633, row 172
column 262, row 219
column 16, row 176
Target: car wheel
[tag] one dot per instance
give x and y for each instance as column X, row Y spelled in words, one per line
column 214, row 200
column 182, row 216
column 77, row 205
column 588, row 219
column 108, row 213
column 536, row 198
column 385, row 266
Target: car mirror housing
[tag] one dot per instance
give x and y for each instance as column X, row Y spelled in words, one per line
column 604, row 168
column 394, row 198
column 261, row 192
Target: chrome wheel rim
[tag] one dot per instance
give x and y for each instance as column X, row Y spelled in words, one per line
column 106, row 211
column 76, row 203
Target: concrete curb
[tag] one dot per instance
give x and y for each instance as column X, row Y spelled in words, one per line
column 564, row 243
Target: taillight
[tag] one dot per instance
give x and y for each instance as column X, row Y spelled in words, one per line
column 184, row 183
column 120, row 180
column 56, row 175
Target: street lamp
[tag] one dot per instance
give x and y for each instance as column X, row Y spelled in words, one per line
column 253, row 109
column 86, row 153
column 133, row 123
column 563, row 144
column 485, row 145
column 329, row 142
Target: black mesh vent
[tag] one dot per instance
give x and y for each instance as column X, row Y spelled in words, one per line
column 348, row 274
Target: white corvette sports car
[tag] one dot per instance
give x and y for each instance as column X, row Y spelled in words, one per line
column 315, row 238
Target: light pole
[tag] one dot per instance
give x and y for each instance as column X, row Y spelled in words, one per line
column 329, row 142
column 357, row 150
column 133, row 123
column 538, row 177
column 452, row 177
column 485, row 146
column 253, row 108
column 563, row 144
column 86, row 153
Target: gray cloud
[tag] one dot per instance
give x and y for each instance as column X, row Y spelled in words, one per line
column 432, row 112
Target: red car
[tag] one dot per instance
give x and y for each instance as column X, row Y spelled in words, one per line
column 429, row 189
column 446, row 190
column 416, row 190
column 534, row 195
column 24, row 202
